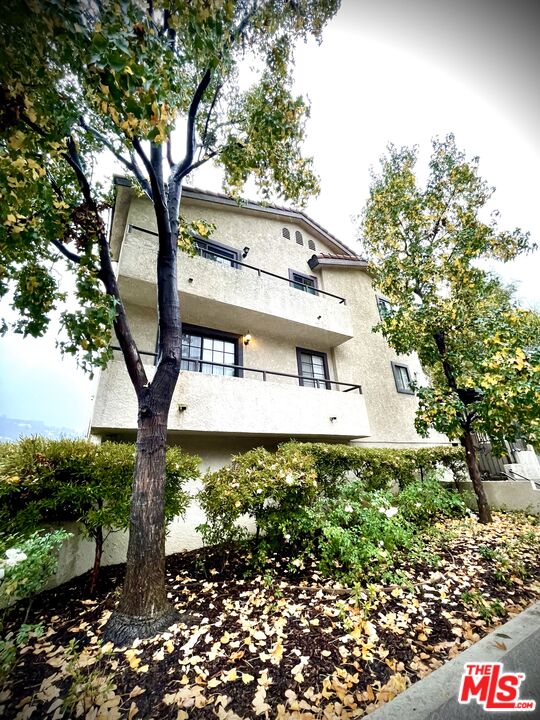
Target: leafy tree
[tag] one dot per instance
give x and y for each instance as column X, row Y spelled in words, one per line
column 479, row 349
column 78, row 78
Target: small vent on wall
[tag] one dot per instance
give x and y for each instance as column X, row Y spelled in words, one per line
column 286, row 233
column 299, row 238
column 311, row 244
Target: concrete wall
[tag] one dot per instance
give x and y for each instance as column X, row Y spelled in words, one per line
column 508, row 495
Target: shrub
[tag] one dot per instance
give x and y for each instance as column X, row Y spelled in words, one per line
column 47, row 481
column 379, row 468
column 423, row 502
column 25, row 567
column 271, row 488
column 332, row 499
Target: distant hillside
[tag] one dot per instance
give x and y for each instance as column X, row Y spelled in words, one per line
column 13, row 429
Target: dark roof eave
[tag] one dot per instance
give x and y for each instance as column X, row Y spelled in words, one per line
column 353, row 264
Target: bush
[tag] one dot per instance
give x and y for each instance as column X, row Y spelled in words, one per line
column 424, row 502
column 379, row 468
column 331, row 499
column 25, row 567
column 48, row 481
column 271, row 488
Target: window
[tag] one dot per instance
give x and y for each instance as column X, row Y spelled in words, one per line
column 311, row 244
column 384, row 306
column 306, row 283
column 286, row 234
column 313, row 368
column 402, row 378
column 299, row 238
column 217, row 252
column 201, row 347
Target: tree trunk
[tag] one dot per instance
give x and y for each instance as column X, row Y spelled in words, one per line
column 484, row 513
column 143, row 610
column 97, row 560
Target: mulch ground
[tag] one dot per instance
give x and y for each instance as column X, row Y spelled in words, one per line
column 284, row 643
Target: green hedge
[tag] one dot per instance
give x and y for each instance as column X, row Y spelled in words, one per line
column 378, row 468
column 320, row 495
column 49, row 481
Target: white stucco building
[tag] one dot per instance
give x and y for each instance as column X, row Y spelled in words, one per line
column 277, row 335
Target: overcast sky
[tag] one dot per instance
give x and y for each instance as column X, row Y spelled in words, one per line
column 387, row 71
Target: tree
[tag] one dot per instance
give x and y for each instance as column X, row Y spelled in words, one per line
column 479, row 349
column 78, row 78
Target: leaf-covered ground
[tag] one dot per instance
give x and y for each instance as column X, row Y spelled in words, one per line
column 286, row 643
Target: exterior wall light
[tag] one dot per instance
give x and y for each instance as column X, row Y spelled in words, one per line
column 245, row 252
column 182, row 408
column 247, row 338
column 333, row 419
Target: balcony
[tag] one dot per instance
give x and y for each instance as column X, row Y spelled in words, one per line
column 236, row 298
column 262, row 403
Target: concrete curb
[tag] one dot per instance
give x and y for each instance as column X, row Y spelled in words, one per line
column 436, row 695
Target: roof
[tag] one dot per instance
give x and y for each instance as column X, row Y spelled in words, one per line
column 297, row 215
column 337, row 260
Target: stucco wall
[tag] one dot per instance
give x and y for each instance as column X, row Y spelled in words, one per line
column 239, row 228
column 217, row 404
column 77, row 554
column 365, row 358
column 508, row 495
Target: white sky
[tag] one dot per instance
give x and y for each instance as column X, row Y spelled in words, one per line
column 387, row 71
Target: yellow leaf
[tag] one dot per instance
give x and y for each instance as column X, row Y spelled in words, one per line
column 169, row 647
column 16, row 140
column 231, row 676
column 277, row 653
column 133, row 710
column 214, row 682
column 247, row 678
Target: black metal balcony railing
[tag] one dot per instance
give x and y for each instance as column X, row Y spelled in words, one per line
column 258, row 270
column 306, row 380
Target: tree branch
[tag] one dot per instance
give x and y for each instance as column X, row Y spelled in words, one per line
column 155, row 184
column 106, row 274
column 180, row 170
column 65, row 252
column 210, row 111
column 200, row 162
column 129, row 164
column 169, row 153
